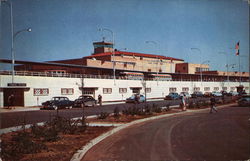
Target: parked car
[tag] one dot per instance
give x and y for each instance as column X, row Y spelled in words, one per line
column 207, row 94
column 244, row 101
column 58, row 103
column 216, row 94
column 224, row 93
column 233, row 93
column 197, row 94
column 132, row 99
column 86, row 100
column 186, row 94
column 172, row 96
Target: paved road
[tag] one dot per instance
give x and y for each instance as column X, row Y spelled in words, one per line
column 12, row 119
column 30, row 117
column 190, row 136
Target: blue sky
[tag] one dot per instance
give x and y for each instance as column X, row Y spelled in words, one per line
column 66, row 29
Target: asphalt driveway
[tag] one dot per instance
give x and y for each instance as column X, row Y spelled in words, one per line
column 190, row 136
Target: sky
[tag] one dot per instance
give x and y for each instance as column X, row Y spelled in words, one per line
column 66, row 29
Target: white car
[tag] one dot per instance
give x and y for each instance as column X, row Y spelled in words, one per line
column 216, row 94
column 233, row 93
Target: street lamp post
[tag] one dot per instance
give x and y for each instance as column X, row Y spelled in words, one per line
column 113, row 52
column 207, row 61
column 13, row 51
column 13, row 36
column 157, row 71
column 200, row 60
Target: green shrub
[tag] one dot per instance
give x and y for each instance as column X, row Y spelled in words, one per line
column 156, row 108
column 197, row 104
column 191, row 105
column 51, row 134
column 20, row 144
column 103, row 115
column 116, row 113
column 147, row 110
column 167, row 107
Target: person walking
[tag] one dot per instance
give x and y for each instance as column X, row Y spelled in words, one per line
column 183, row 101
column 11, row 100
column 212, row 104
column 100, row 99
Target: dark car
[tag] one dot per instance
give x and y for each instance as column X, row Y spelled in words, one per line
column 132, row 99
column 58, row 103
column 196, row 94
column 207, row 94
column 244, row 100
column 172, row 96
column 85, row 100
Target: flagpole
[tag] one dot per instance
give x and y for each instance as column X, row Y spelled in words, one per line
column 239, row 70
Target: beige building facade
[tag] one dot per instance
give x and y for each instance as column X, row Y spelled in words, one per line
column 130, row 60
column 189, row 68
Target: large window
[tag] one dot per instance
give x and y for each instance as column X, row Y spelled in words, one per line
column 232, row 88
column 41, row 91
column 216, row 88
column 206, row 88
column 67, row 91
column 122, row 90
column 185, row 89
column 148, row 90
column 172, row 90
column 107, row 90
column 196, row 88
column 224, row 88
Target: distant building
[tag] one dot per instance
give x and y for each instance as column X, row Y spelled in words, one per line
column 189, row 68
column 105, row 56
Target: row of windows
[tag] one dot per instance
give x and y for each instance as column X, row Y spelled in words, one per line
column 186, row 89
column 70, row 91
column 123, row 90
column 45, row 91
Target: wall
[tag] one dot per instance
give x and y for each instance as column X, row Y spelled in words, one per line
column 158, row 88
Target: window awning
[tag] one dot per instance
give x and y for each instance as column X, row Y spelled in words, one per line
column 136, row 87
column 88, row 88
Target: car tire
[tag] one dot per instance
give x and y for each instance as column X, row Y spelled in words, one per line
column 93, row 104
column 55, row 107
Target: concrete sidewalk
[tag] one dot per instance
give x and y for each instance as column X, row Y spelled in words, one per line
column 17, row 109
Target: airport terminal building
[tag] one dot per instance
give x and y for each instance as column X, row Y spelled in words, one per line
column 115, row 75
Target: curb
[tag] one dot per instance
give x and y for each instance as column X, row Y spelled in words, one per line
column 81, row 152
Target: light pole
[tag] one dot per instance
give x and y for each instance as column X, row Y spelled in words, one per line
column 157, row 71
column 113, row 52
column 13, row 51
column 13, row 36
column 228, row 66
column 207, row 61
column 200, row 61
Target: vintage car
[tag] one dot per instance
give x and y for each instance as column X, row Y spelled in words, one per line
column 172, row 96
column 244, row 101
column 197, row 94
column 216, row 94
column 86, row 100
column 58, row 103
column 133, row 99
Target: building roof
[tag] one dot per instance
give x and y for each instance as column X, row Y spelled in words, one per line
column 118, row 53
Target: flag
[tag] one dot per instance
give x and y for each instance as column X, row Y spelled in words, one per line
column 237, row 48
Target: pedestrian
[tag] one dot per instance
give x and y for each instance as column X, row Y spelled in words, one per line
column 223, row 97
column 212, row 104
column 183, row 101
column 11, row 100
column 136, row 97
column 100, row 99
